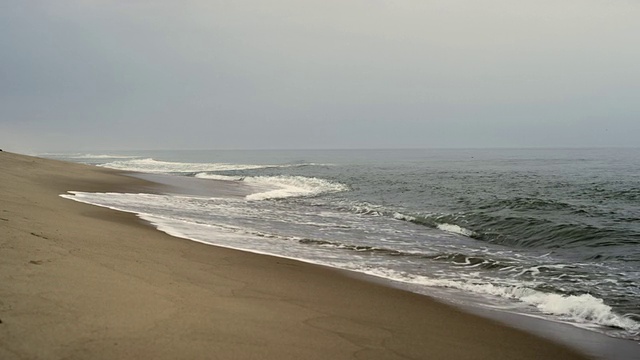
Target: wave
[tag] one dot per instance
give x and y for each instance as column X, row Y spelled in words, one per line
column 575, row 207
column 102, row 156
column 528, row 204
column 356, row 248
column 434, row 221
column 582, row 309
column 620, row 192
column 87, row 156
column 282, row 186
column 150, row 165
column 455, row 229
column 456, row 259
column 292, row 186
column 512, row 229
column 535, row 232
column 209, row 176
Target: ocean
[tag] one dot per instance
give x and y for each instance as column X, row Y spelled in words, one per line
column 549, row 233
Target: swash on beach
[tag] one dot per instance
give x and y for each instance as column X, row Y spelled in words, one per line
column 551, row 233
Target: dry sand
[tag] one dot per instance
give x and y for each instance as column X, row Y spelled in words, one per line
column 83, row 282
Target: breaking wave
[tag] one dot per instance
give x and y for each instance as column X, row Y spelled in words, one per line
column 436, row 221
column 279, row 187
column 583, row 309
column 150, row 165
column 88, row 156
column 455, row 229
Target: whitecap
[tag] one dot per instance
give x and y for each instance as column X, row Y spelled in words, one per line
column 282, row 186
column 292, row 186
column 455, row 229
column 150, row 165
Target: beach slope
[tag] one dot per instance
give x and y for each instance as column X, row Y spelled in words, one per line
column 83, row 282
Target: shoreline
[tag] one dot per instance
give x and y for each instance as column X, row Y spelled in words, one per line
column 82, row 281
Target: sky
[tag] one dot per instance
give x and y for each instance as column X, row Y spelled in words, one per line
column 79, row 75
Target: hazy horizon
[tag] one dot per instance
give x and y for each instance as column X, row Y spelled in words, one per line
column 101, row 152
column 111, row 75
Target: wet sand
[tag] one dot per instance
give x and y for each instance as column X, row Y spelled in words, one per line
column 83, row 282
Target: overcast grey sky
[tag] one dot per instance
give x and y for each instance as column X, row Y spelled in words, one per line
column 206, row 74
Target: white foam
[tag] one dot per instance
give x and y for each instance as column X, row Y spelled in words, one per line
column 102, row 156
column 366, row 208
column 455, row 229
column 583, row 309
column 403, row 217
column 278, row 187
column 149, row 165
column 86, row 156
column 205, row 175
column 292, row 186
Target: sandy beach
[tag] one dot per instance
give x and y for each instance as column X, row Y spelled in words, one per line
column 83, row 282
